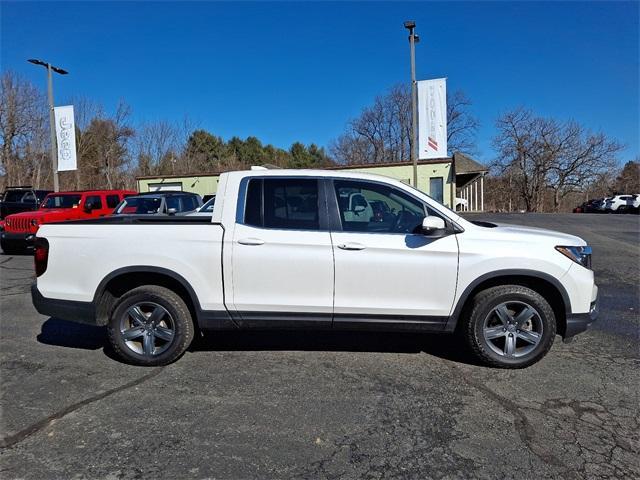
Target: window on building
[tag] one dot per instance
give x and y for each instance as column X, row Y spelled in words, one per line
column 436, row 188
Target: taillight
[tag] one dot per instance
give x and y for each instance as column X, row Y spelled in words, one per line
column 41, row 255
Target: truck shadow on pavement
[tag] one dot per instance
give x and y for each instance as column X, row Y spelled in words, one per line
column 448, row 347
column 72, row 335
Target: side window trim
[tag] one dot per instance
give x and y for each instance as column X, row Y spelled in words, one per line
column 242, row 201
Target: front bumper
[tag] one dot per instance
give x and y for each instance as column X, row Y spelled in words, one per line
column 17, row 240
column 73, row 311
column 580, row 322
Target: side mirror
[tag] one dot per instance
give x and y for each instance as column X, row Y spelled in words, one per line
column 172, row 211
column 88, row 207
column 432, row 224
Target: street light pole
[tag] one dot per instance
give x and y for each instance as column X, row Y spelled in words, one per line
column 413, row 39
column 52, row 121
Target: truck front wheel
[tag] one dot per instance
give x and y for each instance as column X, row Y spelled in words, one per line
column 150, row 326
column 510, row 326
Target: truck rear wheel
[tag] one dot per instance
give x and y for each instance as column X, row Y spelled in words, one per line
column 150, row 326
column 510, row 326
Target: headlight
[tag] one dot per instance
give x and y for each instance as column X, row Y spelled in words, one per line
column 581, row 255
column 34, row 222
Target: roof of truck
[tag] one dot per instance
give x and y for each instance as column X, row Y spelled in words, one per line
column 291, row 172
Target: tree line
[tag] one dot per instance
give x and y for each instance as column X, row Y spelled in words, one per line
column 112, row 152
column 541, row 164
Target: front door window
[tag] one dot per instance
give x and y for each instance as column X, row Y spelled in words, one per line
column 376, row 208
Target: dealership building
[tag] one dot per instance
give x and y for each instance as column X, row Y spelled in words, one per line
column 456, row 180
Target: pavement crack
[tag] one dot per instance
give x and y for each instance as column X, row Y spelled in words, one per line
column 523, row 426
column 11, row 440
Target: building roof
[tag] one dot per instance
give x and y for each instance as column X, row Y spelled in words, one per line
column 336, row 167
column 388, row 164
column 463, row 165
column 466, row 164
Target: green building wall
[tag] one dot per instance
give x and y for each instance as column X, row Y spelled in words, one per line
column 201, row 184
column 208, row 184
column 426, row 172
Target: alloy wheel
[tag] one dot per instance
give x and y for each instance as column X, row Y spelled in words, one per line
column 147, row 328
column 513, row 329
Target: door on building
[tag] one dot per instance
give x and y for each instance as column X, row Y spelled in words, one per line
column 165, row 187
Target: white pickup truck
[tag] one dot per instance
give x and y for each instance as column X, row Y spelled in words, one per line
column 305, row 249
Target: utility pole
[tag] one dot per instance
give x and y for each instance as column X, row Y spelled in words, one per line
column 413, row 39
column 52, row 121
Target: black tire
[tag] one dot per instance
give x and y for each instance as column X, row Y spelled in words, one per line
column 176, row 319
column 483, row 311
column 12, row 249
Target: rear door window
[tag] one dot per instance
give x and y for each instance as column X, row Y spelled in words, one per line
column 283, row 203
column 173, row 202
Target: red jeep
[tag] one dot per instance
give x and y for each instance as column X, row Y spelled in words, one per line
column 20, row 229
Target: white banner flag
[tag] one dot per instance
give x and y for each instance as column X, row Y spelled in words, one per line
column 432, row 118
column 66, row 137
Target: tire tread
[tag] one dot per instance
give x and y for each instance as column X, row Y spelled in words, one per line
column 479, row 303
column 184, row 317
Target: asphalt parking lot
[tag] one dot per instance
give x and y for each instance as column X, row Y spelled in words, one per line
column 325, row 405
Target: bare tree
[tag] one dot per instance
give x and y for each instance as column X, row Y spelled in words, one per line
column 157, row 148
column 544, row 154
column 23, row 127
column 85, row 111
column 462, row 127
column 106, row 159
column 382, row 132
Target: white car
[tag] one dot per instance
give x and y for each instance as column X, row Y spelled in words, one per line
column 297, row 249
column 622, row 203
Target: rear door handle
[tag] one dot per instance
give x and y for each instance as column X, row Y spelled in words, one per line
column 250, row 241
column 351, row 246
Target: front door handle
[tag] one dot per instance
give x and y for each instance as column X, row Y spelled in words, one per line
column 351, row 246
column 250, row 241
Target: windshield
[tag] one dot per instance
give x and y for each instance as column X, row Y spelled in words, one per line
column 139, row 206
column 208, row 207
column 61, row 201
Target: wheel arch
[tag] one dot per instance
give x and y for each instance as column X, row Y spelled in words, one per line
column 120, row 281
column 546, row 285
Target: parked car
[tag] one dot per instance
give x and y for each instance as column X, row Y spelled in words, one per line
column 159, row 203
column 622, row 204
column 285, row 249
column 20, row 199
column 21, row 228
column 590, row 206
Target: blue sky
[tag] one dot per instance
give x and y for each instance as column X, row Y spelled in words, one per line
column 299, row 71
